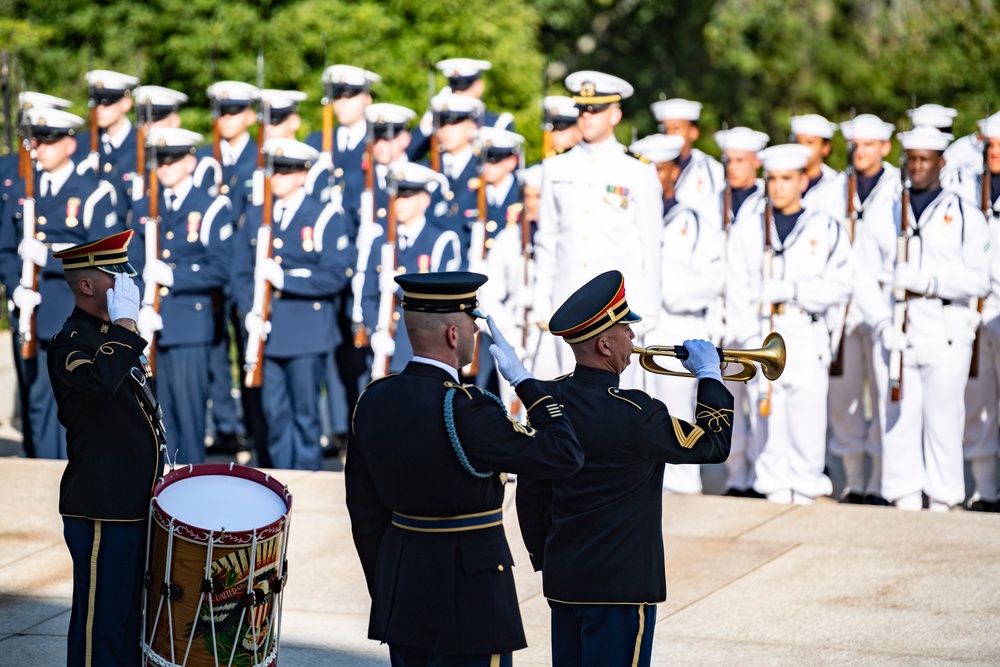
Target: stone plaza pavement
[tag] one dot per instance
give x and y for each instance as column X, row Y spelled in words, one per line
column 750, row 583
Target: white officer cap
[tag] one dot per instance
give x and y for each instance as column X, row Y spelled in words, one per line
column 459, row 105
column 531, row 177
column 560, row 107
column 990, row 127
column 784, row 157
column 458, row 68
column 103, row 79
column 233, row 93
column 589, row 87
column 926, row 138
column 383, row 113
column 173, row 140
column 282, row 100
column 158, row 96
column 52, row 122
column 867, row 126
column 658, row 148
column 933, row 115
column 413, row 176
column 813, row 125
column 676, row 109
column 29, row 99
column 291, row 153
column 501, row 139
column 348, row 75
column 741, row 139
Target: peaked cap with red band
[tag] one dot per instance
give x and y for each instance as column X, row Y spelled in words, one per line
column 109, row 254
column 593, row 308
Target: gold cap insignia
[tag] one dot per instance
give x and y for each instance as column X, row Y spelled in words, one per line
column 588, row 89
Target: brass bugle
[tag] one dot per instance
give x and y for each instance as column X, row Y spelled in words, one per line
column 770, row 356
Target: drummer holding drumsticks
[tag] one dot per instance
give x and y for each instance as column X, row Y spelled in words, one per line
column 115, row 446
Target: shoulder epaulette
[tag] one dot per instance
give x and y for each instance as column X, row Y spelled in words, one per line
column 464, row 388
column 640, row 158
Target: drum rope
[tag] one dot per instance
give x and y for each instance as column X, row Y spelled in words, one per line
column 147, row 579
column 167, row 572
column 201, row 598
column 211, row 598
column 253, row 617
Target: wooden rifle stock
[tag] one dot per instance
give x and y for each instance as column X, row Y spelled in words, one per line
column 837, row 363
column 262, row 293
column 361, row 338
column 899, row 311
column 435, row 152
column 328, row 128
column 27, row 330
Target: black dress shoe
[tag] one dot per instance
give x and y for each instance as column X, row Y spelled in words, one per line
column 337, row 446
column 980, row 505
column 228, row 443
column 752, row 493
column 872, row 499
column 735, row 493
column 852, row 498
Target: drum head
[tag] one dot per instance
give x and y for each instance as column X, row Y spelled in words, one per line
column 214, row 502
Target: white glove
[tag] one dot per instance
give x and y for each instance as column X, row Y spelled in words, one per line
column 912, row 278
column 123, row 300
column 777, row 291
column 702, row 360
column 386, row 282
column 508, row 363
column 149, row 321
column 892, row 340
column 382, row 344
column 256, row 326
column 25, row 299
column 272, row 272
column 33, row 251
column 523, row 297
column 159, row 273
column 427, row 123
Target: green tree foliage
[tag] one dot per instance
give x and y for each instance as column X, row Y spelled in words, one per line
column 179, row 43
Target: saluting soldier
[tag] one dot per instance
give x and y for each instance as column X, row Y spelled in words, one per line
column 740, row 146
column 425, row 485
column 101, row 384
column 603, row 596
column 982, row 441
column 692, row 279
column 947, row 264
column 72, row 206
column 825, row 191
column 560, row 116
column 785, row 279
column 195, row 247
column 601, row 208
column 423, row 245
column 465, row 78
column 702, row 178
column 852, row 437
column 312, row 262
column 348, row 89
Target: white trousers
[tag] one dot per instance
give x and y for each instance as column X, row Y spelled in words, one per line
column 739, row 465
column 982, row 437
column 790, row 444
column 850, row 433
column 679, row 394
column 922, row 433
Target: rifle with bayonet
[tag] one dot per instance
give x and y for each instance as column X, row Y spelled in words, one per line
column 216, row 114
column 366, row 236
column 257, row 197
column 254, row 357
column 767, row 310
column 986, row 206
column 435, row 149
column 899, row 294
column 727, row 192
column 95, row 153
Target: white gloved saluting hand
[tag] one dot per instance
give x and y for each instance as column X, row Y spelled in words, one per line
column 123, row 300
column 508, row 363
column 702, row 360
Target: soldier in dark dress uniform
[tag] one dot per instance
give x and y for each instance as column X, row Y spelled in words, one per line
column 425, row 485
column 116, row 446
column 603, row 596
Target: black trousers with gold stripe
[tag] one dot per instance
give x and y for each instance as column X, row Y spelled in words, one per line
column 602, row 635
column 408, row 656
column 108, row 563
